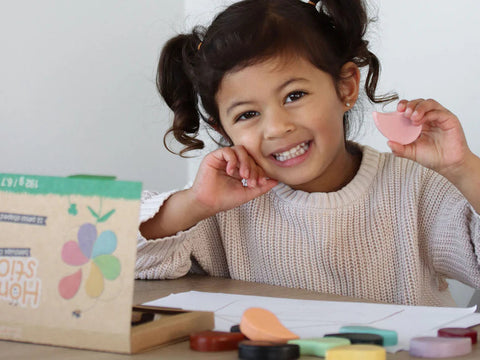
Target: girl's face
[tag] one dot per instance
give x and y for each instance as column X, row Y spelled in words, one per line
column 289, row 117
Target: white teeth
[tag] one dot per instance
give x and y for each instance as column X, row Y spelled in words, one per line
column 293, row 152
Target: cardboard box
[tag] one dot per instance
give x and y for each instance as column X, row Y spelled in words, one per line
column 67, row 258
column 173, row 325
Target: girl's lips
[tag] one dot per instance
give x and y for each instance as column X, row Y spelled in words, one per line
column 287, row 159
column 291, row 149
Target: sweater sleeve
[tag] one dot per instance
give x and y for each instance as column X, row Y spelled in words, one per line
column 174, row 256
column 454, row 240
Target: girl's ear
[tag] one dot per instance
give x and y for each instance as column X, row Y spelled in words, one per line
column 349, row 84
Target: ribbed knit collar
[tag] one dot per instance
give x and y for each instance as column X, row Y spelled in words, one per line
column 350, row 193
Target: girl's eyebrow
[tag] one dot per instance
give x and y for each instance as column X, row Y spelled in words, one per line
column 288, row 82
column 237, row 103
column 277, row 90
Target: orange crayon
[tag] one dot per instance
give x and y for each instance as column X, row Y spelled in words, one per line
column 262, row 325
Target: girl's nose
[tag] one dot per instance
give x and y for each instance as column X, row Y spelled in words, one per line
column 277, row 124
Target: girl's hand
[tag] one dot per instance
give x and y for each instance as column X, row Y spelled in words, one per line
column 442, row 145
column 218, row 185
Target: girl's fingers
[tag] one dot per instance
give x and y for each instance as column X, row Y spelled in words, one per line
column 259, row 177
column 238, row 164
column 262, row 177
column 248, row 168
column 401, row 150
column 402, row 105
column 229, row 156
column 244, row 162
column 226, row 159
column 440, row 119
column 407, row 106
column 421, row 111
column 265, row 187
column 418, row 112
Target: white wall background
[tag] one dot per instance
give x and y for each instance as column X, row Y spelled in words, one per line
column 430, row 49
column 77, row 89
column 77, row 80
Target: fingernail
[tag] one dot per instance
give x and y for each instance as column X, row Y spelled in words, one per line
column 415, row 115
column 408, row 112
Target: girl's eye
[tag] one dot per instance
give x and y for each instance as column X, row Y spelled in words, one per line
column 247, row 115
column 294, row 96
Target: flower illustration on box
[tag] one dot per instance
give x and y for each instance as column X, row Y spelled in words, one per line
column 96, row 250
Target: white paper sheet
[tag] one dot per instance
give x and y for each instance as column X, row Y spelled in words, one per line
column 311, row 318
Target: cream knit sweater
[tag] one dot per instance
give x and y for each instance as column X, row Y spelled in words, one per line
column 393, row 234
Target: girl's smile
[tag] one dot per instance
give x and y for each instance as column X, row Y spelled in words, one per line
column 293, row 155
column 288, row 114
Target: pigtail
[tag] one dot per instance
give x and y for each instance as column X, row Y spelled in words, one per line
column 176, row 84
column 372, row 81
column 349, row 20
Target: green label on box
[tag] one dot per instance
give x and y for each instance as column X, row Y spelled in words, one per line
column 85, row 186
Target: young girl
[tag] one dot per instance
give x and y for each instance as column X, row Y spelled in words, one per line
column 290, row 201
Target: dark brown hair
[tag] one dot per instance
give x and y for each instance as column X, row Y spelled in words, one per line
column 192, row 66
